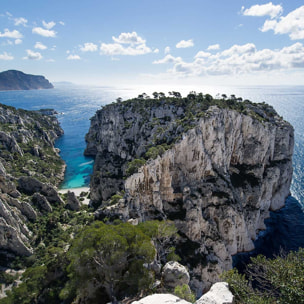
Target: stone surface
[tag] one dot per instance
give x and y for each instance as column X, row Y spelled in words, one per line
column 218, row 182
column 175, row 274
column 26, row 140
column 218, row 294
column 72, row 201
column 161, row 298
column 41, row 202
column 30, row 185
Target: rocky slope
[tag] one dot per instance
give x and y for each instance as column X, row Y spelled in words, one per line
column 16, row 80
column 28, row 160
column 214, row 167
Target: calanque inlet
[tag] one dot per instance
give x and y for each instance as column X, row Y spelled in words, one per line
column 211, row 168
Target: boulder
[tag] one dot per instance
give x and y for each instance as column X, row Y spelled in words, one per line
column 218, row 294
column 72, row 201
column 175, row 274
column 30, row 185
column 41, row 202
column 161, row 298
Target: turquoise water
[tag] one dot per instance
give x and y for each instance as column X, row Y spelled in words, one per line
column 75, row 106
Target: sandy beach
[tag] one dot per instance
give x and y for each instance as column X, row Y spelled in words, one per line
column 77, row 192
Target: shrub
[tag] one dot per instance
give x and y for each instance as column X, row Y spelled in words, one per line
column 184, row 292
column 278, row 280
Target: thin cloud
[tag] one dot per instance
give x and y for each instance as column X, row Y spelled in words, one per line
column 6, row 56
column 202, row 54
column 129, row 38
column 33, row 55
column 268, row 9
column 213, row 47
column 48, row 25
column 73, row 57
column 18, row 41
column 292, row 24
column 89, row 47
column 43, row 32
column 40, row 46
column 168, row 59
column 167, row 50
column 118, row 49
column 11, row 34
column 185, row 44
column 21, row 21
column 137, row 46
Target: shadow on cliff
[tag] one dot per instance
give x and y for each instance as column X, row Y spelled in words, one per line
column 285, row 231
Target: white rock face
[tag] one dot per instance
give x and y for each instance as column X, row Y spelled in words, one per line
column 175, row 274
column 218, row 184
column 218, row 294
column 161, row 298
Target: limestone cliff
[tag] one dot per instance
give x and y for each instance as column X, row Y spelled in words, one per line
column 226, row 164
column 28, row 160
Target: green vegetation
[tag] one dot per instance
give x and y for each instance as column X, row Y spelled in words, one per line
column 30, row 151
column 110, row 258
column 94, row 262
column 270, row 281
column 134, row 165
column 184, row 292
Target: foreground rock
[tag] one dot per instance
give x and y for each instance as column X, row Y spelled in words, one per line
column 16, row 80
column 218, row 294
column 161, row 298
column 222, row 172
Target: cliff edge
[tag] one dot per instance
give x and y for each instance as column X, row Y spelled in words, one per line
column 16, row 80
column 213, row 166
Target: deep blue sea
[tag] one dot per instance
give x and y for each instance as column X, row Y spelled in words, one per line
column 76, row 104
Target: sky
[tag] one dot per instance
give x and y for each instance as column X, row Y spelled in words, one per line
column 120, row 42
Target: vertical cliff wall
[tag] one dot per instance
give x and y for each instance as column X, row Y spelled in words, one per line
column 217, row 181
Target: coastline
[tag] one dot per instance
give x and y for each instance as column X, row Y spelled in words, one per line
column 77, row 192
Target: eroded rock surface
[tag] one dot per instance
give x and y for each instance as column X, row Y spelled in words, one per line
column 26, row 150
column 217, row 181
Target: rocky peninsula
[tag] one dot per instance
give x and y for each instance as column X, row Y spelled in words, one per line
column 16, row 80
column 215, row 167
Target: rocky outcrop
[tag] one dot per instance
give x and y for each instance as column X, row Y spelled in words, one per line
column 219, row 293
column 16, row 80
column 72, row 201
column 26, row 142
column 175, row 274
column 227, row 164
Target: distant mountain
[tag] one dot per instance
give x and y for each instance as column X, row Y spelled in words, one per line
column 16, row 80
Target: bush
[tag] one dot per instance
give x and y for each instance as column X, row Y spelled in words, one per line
column 108, row 260
column 184, row 292
column 278, row 280
column 134, row 165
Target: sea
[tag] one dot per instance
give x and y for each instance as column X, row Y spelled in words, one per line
column 76, row 104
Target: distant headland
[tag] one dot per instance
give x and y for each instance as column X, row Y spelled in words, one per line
column 16, row 80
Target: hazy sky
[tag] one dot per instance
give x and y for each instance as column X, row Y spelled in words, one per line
column 118, row 42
